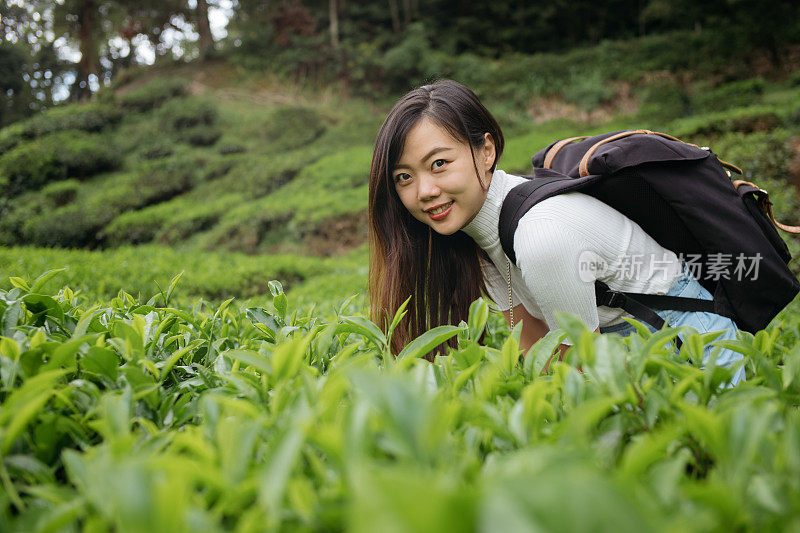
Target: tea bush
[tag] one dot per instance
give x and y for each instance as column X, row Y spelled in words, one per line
column 92, row 117
column 137, row 413
column 743, row 120
column 72, row 226
column 210, row 276
column 736, row 94
column 61, row 192
column 57, row 156
column 200, row 135
column 169, row 222
column 185, row 113
column 663, row 101
column 80, row 224
column 289, row 128
column 153, row 94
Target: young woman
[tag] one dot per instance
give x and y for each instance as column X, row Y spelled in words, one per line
column 435, row 194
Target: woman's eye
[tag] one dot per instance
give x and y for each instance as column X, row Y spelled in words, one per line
column 400, row 178
column 437, row 161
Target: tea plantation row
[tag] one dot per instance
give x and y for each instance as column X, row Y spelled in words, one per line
column 140, row 415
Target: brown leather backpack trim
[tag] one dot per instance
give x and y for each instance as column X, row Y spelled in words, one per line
column 766, row 205
column 548, row 159
column 584, row 166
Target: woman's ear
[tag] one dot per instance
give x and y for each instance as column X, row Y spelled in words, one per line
column 487, row 152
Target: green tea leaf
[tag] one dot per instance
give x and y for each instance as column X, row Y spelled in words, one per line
column 44, row 278
column 541, row 351
column 362, row 326
column 101, row 361
column 478, row 315
column 423, row 344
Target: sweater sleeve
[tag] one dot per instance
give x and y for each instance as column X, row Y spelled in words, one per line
column 556, row 264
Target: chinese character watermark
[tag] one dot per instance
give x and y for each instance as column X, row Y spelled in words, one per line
column 713, row 266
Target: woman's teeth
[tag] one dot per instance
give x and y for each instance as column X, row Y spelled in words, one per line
column 440, row 209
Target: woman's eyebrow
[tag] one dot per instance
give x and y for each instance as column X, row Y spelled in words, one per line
column 427, row 156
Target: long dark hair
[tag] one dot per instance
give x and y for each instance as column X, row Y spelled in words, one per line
column 441, row 273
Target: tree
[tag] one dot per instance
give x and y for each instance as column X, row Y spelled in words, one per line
column 206, row 40
column 30, row 68
column 333, row 15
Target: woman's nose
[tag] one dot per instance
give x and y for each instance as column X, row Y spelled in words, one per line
column 428, row 188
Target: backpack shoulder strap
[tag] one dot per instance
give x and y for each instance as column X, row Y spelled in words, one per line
column 543, row 184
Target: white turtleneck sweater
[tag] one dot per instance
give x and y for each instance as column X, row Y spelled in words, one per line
column 556, row 243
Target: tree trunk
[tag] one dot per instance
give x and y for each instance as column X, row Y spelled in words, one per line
column 406, row 12
column 204, row 30
column 333, row 10
column 88, row 63
column 395, row 15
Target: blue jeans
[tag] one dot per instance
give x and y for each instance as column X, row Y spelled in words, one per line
column 687, row 286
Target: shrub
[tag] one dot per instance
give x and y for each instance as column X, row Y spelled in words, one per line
column 736, row 94
column 586, row 89
column 161, row 180
column 290, row 127
column 73, row 226
column 663, row 101
column 231, row 148
column 184, row 113
column 61, row 192
column 253, row 234
column 80, row 224
column 92, row 117
column 168, row 222
column 257, row 176
column 158, row 151
column 153, row 94
column 194, row 218
column 200, row 135
column 405, row 65
column 56, row 157
column 13, row 215
column 136, row 227
column 744, row 120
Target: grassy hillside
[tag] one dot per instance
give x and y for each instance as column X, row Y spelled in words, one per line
column 210, row 162
column 136, row 395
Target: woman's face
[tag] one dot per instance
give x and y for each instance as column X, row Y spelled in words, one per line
column 435, row 177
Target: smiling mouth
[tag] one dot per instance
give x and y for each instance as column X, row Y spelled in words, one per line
column 441, row 211
column 441, row 208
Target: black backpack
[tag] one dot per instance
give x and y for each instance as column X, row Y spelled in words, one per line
column 683, row 197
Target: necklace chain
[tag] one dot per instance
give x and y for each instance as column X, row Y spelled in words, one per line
column 510, row 301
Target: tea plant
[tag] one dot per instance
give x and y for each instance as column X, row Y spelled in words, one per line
column 133, row 415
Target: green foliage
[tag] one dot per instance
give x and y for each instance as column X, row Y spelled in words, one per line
column 92, row 117
column 406, row 64
column 79, row 224
column 134, row 413
column 290, row 127
column 153, row 94
column 53, row 157
column 201, row 135
column 192, row 120
column 742, row 120
column 735, row 94
column 186, row 113
column 168, row 222
column 214, row 276
column 662, row 101
column 61, row 192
